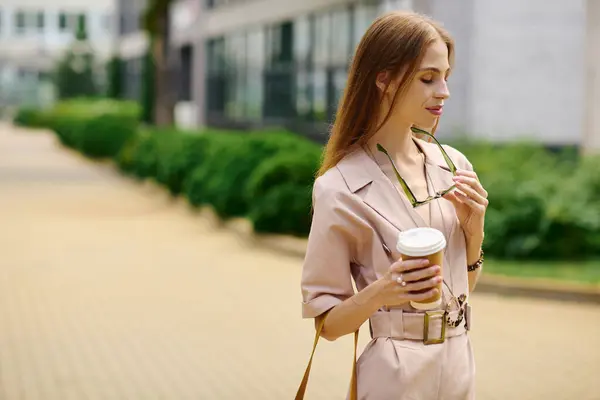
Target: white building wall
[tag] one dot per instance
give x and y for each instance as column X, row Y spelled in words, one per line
column 591, row 143
column 526, row 70
column 33, row 42
column 26, row 51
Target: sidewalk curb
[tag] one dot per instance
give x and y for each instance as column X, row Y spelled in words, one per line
column 539, row 288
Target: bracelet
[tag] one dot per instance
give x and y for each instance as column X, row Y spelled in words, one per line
column 477, row 264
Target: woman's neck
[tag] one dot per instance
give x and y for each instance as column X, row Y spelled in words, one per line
column 398, row 141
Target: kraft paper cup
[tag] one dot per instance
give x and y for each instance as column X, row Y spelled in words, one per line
column 427, row 243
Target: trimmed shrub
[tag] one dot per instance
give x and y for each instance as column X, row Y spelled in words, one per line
column 543, row 204
column 285, row 209
column 230, row 160
column 32, row 118
column 125, row 159
column 218, row 181
column 105, row 134
column 145, row 153
column 97, row 128
column 180, row 158
column 281, row 192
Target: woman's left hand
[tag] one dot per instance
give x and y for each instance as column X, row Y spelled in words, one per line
column 470, row 201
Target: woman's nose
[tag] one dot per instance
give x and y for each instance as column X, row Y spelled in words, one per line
column 442, row 91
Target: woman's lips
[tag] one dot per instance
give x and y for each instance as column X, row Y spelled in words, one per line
column 437, row 111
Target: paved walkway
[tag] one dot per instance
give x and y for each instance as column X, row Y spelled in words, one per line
column 109, row 290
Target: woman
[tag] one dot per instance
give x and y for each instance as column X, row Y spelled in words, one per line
column 397, row 85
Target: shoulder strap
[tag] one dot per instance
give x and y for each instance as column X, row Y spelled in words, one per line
column 353, row 384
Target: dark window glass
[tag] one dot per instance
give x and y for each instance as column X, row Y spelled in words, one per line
column 185, row 79
column 63, row 21
column 20, row 21
column 216, row 76
column 40, row 21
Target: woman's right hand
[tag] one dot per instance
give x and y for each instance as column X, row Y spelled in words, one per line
column 404, row 279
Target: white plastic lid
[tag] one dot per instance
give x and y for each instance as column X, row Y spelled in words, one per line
column 418, row 242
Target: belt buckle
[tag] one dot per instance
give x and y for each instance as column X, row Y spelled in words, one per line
column 429, row 315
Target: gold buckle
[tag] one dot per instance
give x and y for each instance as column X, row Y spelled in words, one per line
column 429, row 315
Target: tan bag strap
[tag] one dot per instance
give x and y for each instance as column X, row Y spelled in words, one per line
column 353, row 383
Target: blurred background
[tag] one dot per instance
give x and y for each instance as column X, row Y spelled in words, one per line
column 156, row 166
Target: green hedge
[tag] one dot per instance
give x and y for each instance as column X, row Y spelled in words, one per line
column 280, row 190
column 543, row 204
column 32, row 118
column 230, row 162
column 266, row 176
column 97, row 128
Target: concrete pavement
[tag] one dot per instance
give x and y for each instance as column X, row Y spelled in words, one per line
column 111, row 290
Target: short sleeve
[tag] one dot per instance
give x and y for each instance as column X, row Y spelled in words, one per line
column 326, row 274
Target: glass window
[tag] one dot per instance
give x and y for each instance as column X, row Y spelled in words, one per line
column 303, row 49
column 340, row 36
column 216, row 55
column 235, row 50
column 302, row 41
column 279, row 80
column 304, row 94
column 364, row 15
column 339, row 82
column 255, row 67
column 319, row 86
column 391, row 5
column 40, row 20
column 279, row 43
column 20, row 21
column 63, row 21
column 133, row 71
column 273, row 44
column 216, row 75
column 322, row 40
column 185, row 80
column 106, row 22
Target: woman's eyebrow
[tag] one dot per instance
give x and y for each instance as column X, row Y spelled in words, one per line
column 433, row 69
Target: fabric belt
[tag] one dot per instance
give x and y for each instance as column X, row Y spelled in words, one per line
column 430, row 327
column 399, row 324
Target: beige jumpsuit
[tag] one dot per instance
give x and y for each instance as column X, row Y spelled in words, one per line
column 358, row 213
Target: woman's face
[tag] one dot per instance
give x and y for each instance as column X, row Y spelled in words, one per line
column 426, row 94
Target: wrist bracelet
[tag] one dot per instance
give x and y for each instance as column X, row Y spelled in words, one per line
column 476, row 264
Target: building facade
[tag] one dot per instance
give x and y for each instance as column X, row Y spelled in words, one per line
column 524, row 70
column 132, row 45
column 35, row 33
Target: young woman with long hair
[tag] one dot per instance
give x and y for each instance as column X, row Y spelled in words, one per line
column 383, row 172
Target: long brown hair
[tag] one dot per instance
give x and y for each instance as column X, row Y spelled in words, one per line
column 395, row 42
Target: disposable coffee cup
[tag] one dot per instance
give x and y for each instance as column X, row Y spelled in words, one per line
column 419, row 243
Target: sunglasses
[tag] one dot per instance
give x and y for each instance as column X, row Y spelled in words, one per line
column 411, row 196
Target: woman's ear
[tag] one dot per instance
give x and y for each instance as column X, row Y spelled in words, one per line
column 383, row 80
